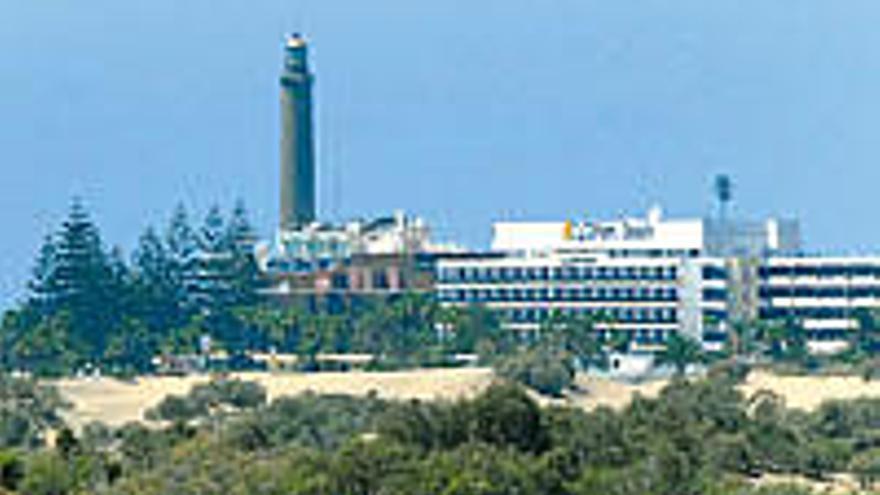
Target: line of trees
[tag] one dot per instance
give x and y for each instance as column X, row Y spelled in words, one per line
column 89, row 305
column 783, row 343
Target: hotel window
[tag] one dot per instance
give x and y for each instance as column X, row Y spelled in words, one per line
column 715, row 273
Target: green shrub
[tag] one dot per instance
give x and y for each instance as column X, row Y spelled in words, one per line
column 541, row 369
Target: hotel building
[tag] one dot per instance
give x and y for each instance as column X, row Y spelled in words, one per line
column 651, row 277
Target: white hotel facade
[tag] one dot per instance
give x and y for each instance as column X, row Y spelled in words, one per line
column 650, row 277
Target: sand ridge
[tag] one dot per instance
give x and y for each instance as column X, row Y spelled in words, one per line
column 116, row 402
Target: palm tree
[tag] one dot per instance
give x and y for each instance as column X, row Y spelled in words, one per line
column 680, row 351
column 447, row 321
column 411, row 324
column 783, row 339
column 371, row 329
column 311, row 337
column 744, row 337
column 771, row 334
column 864, row 339
column 575, row 335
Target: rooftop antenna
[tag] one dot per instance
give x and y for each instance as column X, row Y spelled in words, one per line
column 724, row 195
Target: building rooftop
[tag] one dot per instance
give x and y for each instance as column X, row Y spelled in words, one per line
column 652, row 232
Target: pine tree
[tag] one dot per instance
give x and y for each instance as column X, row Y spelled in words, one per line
column 215, row 283
column 117, row 289
column 74, row 275
column 214, row 262
column 42, row 286
column 182, row 247
column 155, row 299
column 241, row 237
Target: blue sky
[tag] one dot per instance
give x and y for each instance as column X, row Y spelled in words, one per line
column 461, row 111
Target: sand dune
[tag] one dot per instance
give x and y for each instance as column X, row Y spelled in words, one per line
column 115, row 402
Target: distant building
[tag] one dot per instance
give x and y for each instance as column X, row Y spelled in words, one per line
column 380, row 257
column 648, row 278
column 824, row 294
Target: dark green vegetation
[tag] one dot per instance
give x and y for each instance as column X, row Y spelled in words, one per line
column 90, row 307
column 224, row 438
